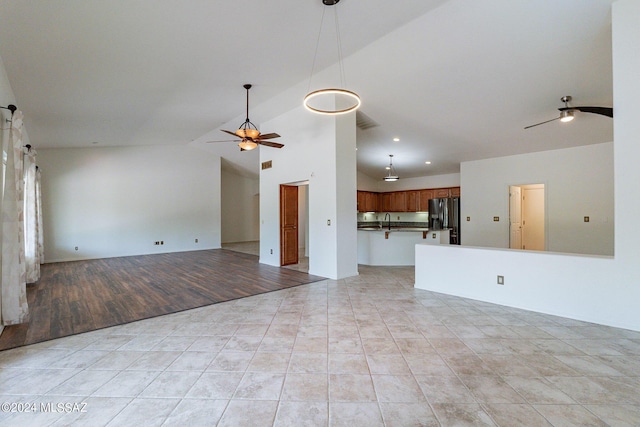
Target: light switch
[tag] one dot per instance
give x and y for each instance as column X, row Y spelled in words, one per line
column 468, row 218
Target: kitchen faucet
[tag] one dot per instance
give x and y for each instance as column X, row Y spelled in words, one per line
column 385, row 218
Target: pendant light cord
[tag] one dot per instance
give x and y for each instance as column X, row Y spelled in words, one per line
column 315, row 55
column 339, row 42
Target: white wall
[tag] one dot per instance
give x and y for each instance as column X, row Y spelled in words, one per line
column 240, row 206
column 603, row 290
column 320, row 149
column 578, row 182
column 367, row 183
column 117, row 201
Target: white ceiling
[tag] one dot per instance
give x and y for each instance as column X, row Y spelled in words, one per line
column 455, row 80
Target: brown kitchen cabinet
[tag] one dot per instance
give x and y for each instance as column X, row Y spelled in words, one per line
column 371, row 202
column 385, row 202
column 402, row 201
column 441, row 192
column 368, row 201
column 423, row 203
column 362, row 201
column 412, row 201
column 398, row 201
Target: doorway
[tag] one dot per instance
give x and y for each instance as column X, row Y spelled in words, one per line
column 294, row 225
column 288, row 224
column 527, row 217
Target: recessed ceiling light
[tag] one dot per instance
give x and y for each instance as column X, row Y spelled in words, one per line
column 396, row 139
column 427, row 162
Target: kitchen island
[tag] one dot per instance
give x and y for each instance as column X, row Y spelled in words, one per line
column 395, row 246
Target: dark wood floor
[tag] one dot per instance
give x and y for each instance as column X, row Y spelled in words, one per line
column 81, row 296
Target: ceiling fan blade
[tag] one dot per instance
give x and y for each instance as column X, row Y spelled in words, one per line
column 603, row 111
column 226, row 140
column 270, row 144
column 229, row 132
column 538, row 124
column 268, row 136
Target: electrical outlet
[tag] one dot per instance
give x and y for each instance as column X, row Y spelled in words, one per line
column 586, row 219
column 196, row 240
column 271, row 251
column 76, row 248
column 496, row 218
column 162, row 242
column 468, row 218
column 500, row 280
column 329, row 222
column 398, row 218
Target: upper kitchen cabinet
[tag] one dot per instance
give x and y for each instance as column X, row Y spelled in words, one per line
column 362, row 201
column 385, row 202
column 425, row 195
column 368, row 201
column 371, row 202
column 398, row 201
column 455, row 191
column 412, row 200
column 441, row 192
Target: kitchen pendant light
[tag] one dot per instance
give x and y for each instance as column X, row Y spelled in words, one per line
column 393, row 175
column 331, row 101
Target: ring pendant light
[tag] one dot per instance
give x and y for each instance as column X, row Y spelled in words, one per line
column 351, row 98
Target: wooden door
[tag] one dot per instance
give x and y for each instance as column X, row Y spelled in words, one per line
column 288, row 224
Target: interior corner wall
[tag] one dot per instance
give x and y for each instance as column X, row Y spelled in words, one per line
column 119, row 201
column 240, row 207
column 596, row 289
column 578, row 182
column 313, row 144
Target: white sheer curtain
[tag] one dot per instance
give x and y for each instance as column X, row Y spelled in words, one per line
column 32, row 226
column 14, row 293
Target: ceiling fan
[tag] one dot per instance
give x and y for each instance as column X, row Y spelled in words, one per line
column 250, row 136
column 566, row 112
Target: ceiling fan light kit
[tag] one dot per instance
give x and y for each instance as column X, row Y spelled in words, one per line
column 331, row 101
column 247, row 145
column 567, row 112
column 250, row 136
column 566, row 116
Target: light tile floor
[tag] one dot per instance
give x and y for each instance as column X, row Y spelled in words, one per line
column 365, row 351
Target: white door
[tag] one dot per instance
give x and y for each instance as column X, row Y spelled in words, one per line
column 515, row 215
column 533, row 218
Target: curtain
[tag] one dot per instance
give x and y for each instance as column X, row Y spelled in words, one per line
column 14, row 293
column 32, row 228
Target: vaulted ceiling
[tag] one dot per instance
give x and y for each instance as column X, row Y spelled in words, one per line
column 454, row 80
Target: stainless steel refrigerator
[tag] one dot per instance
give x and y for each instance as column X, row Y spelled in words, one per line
column 445, row 213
